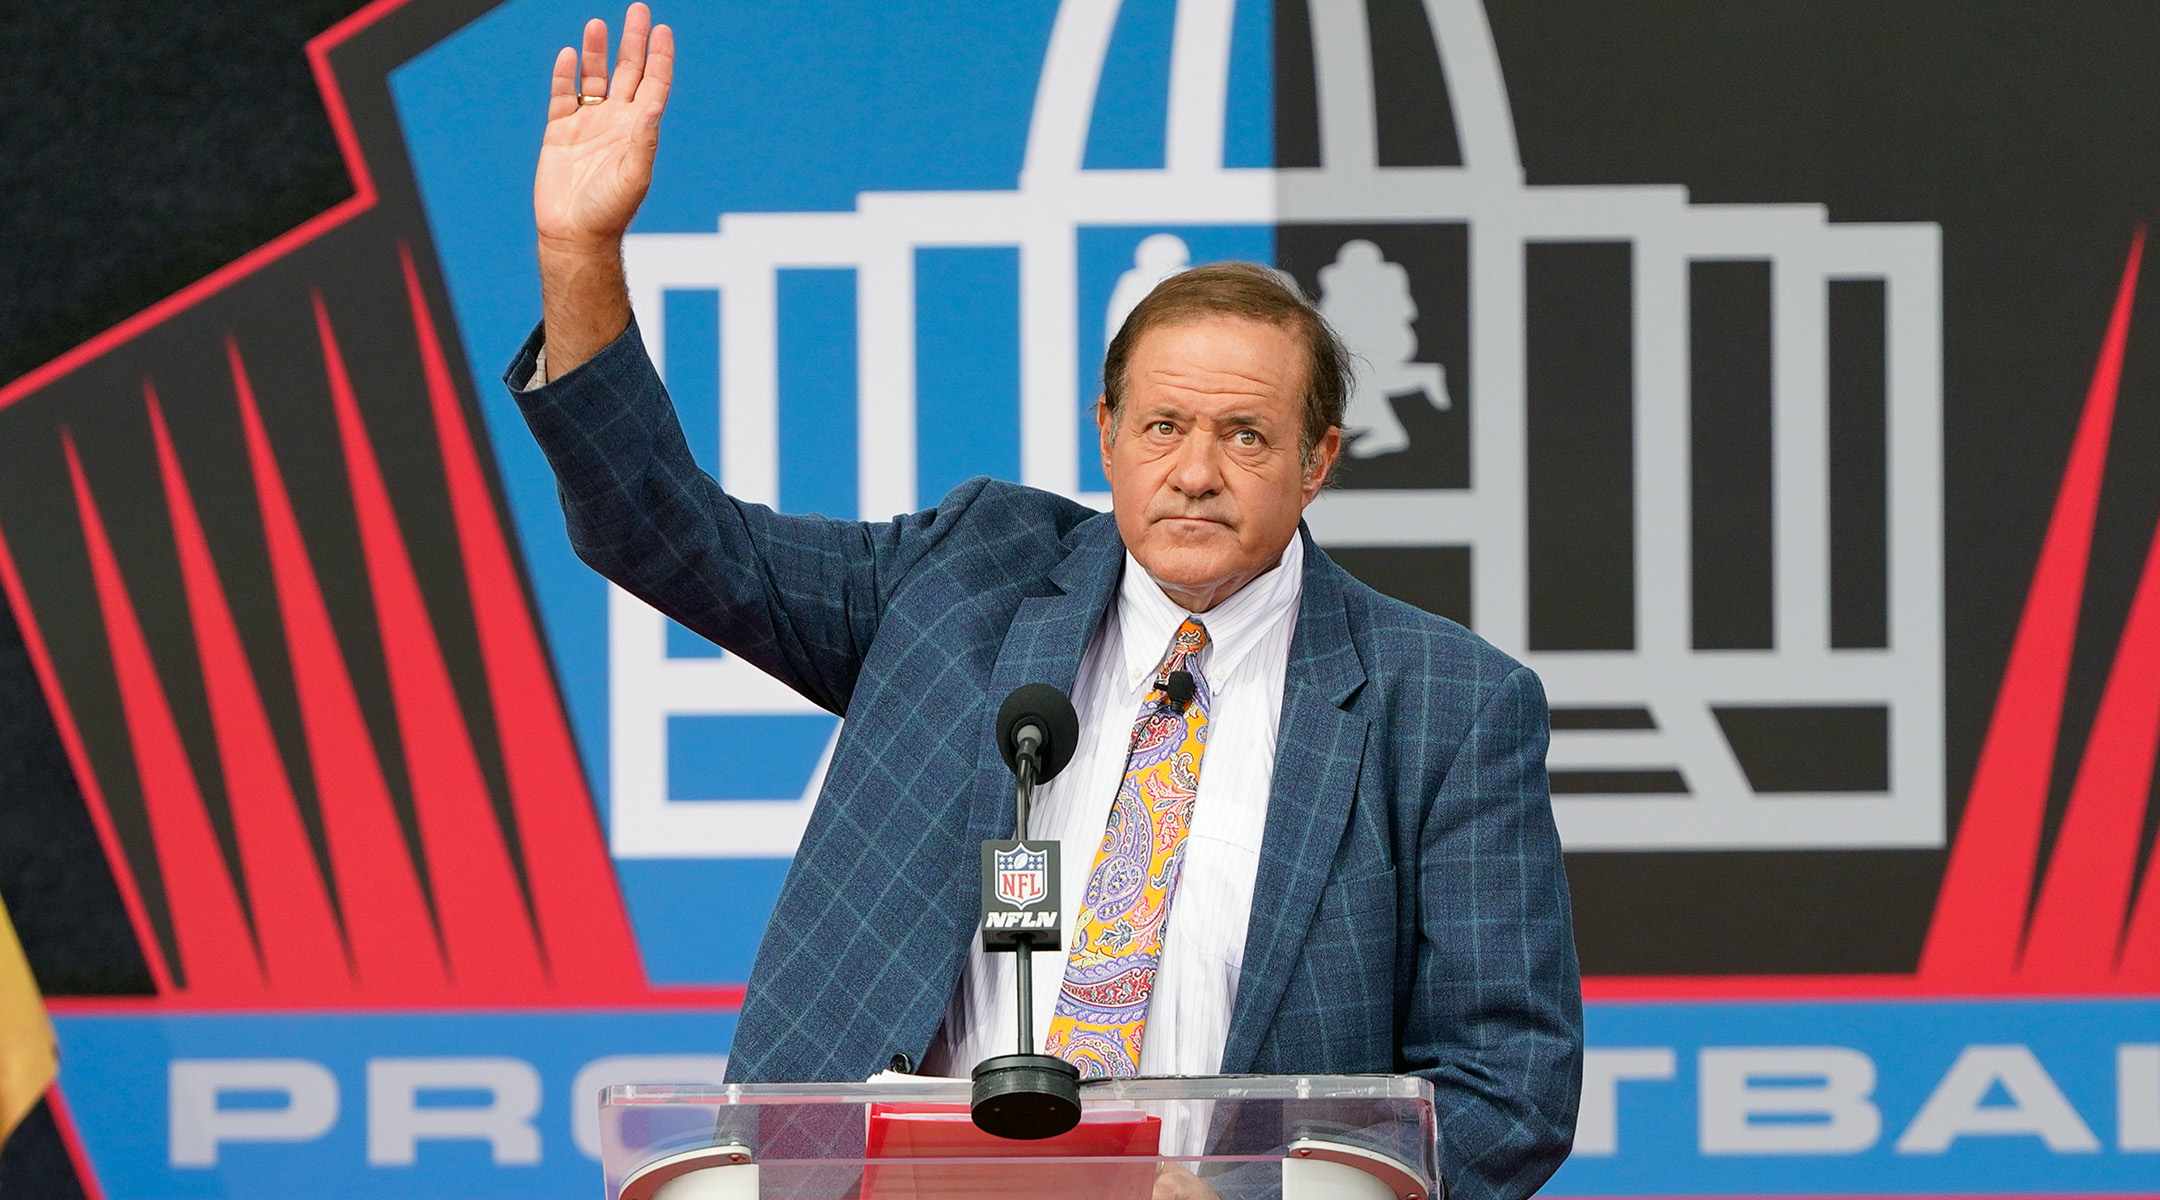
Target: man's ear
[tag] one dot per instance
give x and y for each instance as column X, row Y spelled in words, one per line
column 1105, row 430
column 1321, row 461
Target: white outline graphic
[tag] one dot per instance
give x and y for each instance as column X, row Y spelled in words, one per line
column 1677, row 683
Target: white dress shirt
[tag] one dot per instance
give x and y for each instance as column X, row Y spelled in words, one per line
column 1196, row 982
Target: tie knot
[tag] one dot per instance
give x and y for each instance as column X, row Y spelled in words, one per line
column 1186, row 644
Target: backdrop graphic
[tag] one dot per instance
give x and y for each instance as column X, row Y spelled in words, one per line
column 426, row 832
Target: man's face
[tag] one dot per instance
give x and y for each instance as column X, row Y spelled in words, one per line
column 1207, row 478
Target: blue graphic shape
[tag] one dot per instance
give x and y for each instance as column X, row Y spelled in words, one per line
column 1911, row 1044
column 1249, row 107
column 1105, row 254
column 776, row 108
column 816, row 314
column 681, row 643
column 673, row 902
column 119, row 1066
column 798, row 107
column 1131, row 120
column 766, row 757
column 435, row 1097
column 682, row 910
column 246, row 1099
column 967, row 367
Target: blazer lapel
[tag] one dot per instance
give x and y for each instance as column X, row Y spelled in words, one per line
column 1048, row 637
column 1318, row 751
column 1044, row 644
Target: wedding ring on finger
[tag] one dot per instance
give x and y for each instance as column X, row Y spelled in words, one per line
column 588, row 101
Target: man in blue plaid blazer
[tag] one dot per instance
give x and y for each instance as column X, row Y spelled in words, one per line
column 1410, row 913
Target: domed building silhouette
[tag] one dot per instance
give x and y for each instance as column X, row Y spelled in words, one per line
column 1609, row 441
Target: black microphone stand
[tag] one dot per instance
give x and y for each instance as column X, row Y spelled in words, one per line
column 1024, row 943
column 1026, row 1095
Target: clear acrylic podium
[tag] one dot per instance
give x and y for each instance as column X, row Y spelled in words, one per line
column 1297, row 1137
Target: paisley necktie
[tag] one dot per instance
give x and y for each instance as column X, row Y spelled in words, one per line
column 1117, row 939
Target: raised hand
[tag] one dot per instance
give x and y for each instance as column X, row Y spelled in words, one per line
column 596, row 160
column 595, row 165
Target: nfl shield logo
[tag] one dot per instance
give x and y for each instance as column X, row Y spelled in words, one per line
column 1023, row 875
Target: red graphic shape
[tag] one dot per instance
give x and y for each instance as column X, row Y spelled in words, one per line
column 216, row 948
column 302, row 951
column 1980, row 913
column 583, row 925
column 2138, row 968
column 485, row 927
column 2078, row 921
column 395, row 947
column 392, row 938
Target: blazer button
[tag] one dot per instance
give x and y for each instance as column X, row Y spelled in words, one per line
column 901, row 1064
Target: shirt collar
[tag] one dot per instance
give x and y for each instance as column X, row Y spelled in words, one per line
column 1147, row 618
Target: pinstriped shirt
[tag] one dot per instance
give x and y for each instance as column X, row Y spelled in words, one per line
column 1204, row 950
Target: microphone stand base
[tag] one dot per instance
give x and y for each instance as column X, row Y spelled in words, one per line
column 1026, row 1096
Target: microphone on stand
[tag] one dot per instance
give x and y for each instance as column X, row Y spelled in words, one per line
column 1027, row 1095
column 1037, row 723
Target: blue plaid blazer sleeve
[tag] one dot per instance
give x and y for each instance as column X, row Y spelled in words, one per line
column 1411, row 805
column 1495, row 1018
column 799, row 596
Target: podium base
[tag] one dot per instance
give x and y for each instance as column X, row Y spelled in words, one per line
column 1317, row 1168
column 1025, row 1096
column 712, row 1173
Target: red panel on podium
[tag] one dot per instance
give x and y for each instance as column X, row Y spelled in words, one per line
column 945, row 1132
